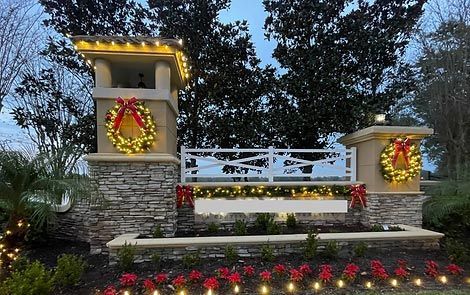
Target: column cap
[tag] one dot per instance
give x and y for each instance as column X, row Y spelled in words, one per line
column 385, row 132
column 115, row 157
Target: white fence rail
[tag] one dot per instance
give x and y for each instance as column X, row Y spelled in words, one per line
column 269, row 165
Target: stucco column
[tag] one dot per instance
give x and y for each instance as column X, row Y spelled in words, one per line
column 103, row 76
column 162, row 76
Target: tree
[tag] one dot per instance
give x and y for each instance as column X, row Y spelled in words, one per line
column 19, row 23
column 342, row 63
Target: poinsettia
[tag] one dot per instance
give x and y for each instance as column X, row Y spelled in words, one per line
column 454, row 269
column 195, row 275
column 378, row 270
column 432, row 268
column 211, row 283
column 234, row 278
column 325, row 273
column 161, row 278
column 179, row 281
column 402, row 263
column 265, row 276
column 248, row 270
column 110, row 290
column 350, row 271
column 296, row 275
column 223, row 272
column 280, row 269
column 401, row 272
column 128, row 279
column 305, row 269
column 149, row 286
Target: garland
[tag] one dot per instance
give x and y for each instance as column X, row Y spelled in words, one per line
column 142, row 116
column 389, row 157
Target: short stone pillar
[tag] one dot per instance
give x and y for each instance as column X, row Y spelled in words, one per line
column 388, row 202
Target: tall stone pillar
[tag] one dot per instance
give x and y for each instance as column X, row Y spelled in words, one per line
column 388, row 202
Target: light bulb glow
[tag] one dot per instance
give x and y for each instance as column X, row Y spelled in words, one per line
column 127, row 293
column 236, row 289
column 368, row 285
column 316, row 286
column 340, row 283
column 418, row 282
column 264, row 290
column 209, row 292
column 394, row 283
column 443, row 279
column 291, row 287
column 155, row 292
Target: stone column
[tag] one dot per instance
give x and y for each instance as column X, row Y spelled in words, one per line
column 103, row 76
column 389, row 203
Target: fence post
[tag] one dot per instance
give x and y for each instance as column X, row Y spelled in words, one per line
column 271, row 164
column 183, row 164
column 353, row 164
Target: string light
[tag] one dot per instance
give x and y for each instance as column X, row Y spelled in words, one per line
column 316, row 286
column 264, row 289
column 340, row 284
column 399, row 175
column 394, row 283
column 182, row 292
column 443, row 279
column 291, row 287
column 156, row 292
column 236, row 289
column 418, row 282
column 209, row 292
column 112, row 43
column 368, row 285
column 127, row 293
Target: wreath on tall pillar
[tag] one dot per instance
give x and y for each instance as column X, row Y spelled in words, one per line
column 400, row 147
column 142, row 116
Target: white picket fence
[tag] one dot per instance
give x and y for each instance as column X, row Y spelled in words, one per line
column 268, row 165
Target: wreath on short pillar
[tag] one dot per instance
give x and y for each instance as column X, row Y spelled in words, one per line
column 389, row 158
column 142, row 116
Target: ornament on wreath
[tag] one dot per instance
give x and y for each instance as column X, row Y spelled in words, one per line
column 142, row 116
column 358, row 195
column 184, row 194
column 389, row 160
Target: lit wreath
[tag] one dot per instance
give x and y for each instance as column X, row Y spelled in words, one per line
column 144, row 120
column 389, row 157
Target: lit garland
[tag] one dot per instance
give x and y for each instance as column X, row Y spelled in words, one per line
column 143, row 118
column 11, row 241
column 389, row 155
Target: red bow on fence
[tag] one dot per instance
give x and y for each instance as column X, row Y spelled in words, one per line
column 127, row 105
column 358, row 194
column 401, row 146
column 184, row 193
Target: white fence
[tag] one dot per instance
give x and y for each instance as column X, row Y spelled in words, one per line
column 269, row 165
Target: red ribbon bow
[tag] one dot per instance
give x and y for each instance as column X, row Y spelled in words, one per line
column 184, row 193
column 358, row 194
column 127, row 105
column 401, row 146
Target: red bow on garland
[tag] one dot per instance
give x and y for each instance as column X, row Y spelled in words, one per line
column 184, row 193
column 127, row 105
column 358, row 194
column 401, row 146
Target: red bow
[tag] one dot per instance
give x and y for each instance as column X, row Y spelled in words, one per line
column 127, row 105
column 184, row 193
column 358, row 194
column 401, row 146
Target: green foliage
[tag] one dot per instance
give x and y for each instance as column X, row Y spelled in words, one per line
column 457, row 251
column 191, row 260
column 376, row 228
column 69, row 270
column 360, row 249
column 267, row 253
column 331, row 250
column 156, row 260
column 231, row 254
column 240, row 228
column 20, row 264
column 291, row 221
column 33, row 280
column 273, row 228
column 311, row 245
column 263, row 220
column 126, row 257
column 157, row 232
column 213, row 228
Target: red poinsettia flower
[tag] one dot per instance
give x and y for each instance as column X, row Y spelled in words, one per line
column 401, row 272
column 179, row 281
column 248, row 270
column 161, row 278
column 265, row 276
column 402, row 263
column 223, row 272
column 195, row 275
column 110, row 290
column 378, row 270
column 149, row 286
column 128, row 279
column 211, row 283
column 350, row 271
column 432, row 268
column 305, row 269
column 280, row 269
column 234, row 278
column 454, row 269
column 325, row 273
column 296, row 275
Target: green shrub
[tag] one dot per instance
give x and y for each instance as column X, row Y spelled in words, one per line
column 126, row 257
column 331, row 250
column 69, row 270
column 213, row 228
column 456, row 251
column 33, row 280
column 376, row 228
column 20, row 264
column 231, row 254
column 360, row 249
column 311, row 245
column 191, row 260
column 267, row 253
column 157, row 232
column 291, row 222
column 273, row 228
column 156, row 260
column 263, row 220
column 240, row 228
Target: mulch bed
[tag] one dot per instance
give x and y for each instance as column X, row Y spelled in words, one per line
column 99, row 274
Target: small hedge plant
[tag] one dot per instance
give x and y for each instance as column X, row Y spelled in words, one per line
column 34, row 279
column 69, row 270
column 126, row 257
